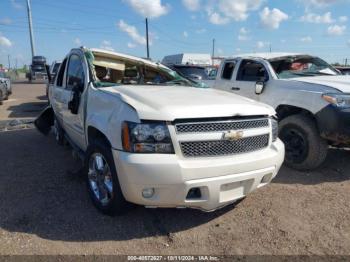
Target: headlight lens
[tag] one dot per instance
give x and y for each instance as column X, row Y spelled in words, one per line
column 274, row 125
column 340, row 100
column 150, row 137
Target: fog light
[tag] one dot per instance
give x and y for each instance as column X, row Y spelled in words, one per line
column 194, row 193
column 266, row 179
column 148, row 192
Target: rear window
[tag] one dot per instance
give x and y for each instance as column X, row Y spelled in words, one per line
column 227, row 72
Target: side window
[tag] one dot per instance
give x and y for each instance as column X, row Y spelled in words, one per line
column 75, row 73
column 227, row 72
column 252, row 71
column 60, row 74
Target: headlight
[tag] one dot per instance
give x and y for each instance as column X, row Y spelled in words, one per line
column 274, row 126
column 340, row 100
column 147, row 137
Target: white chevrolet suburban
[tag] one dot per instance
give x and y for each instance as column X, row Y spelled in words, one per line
column 311, row 98
column 150, row 137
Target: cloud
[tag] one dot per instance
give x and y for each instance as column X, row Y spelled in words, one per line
column 243, row 34
column 149, row 8
column 185, row 34
column 132, row 32
column 106, row 45
column 77, row 41
column 224, row 11
column 217, row 19
column 336, row 30
column 4, row 41
column 306, row 39
column 318, row 19
column 260, row 45
column 343, row 19
column 131, row 45
column 16, row 5
column 319, row 3
column 192, row 5
column 5, row 21
column 271, row 19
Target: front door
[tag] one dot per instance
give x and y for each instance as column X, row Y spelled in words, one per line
column 75, row 82
column 249, row 73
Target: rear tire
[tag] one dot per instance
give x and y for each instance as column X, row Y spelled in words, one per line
column 305, row 148
column 102, row 179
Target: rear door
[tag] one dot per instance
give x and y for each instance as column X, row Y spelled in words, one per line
column 226, row 75
column 55, row 92
column 75, row 76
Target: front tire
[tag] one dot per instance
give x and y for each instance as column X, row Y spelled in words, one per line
column 305, row 148
column 102, row 180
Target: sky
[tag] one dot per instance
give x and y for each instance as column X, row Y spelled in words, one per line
column 318, row 27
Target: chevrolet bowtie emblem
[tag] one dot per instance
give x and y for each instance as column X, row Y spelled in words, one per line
column 232, row 135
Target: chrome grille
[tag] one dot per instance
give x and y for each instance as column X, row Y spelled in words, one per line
column 224, row 147
column 219, row 126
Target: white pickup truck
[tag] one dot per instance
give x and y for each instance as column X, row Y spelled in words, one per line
column 148, row 136
column 311, row 98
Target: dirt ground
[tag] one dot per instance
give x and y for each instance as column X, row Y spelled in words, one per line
column 45, row 209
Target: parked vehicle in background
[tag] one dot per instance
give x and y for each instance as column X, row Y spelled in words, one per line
column 52, row 71
column 311, row 98
column 199, row 74
column 151, row 137
column 37, row 69
column 345, row 70
column 188, row 59
column 7, row 81
column 3, row 92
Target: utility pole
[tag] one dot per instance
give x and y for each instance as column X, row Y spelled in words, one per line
column 213, row 52
column 346, row 61
column 270, row 48
column 9, row 61
column 29, row 10
column 147, row 41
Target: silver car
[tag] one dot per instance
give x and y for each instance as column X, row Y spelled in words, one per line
column 7, row 81
column 3, row 92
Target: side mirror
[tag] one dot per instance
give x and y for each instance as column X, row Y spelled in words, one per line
column 259, row 87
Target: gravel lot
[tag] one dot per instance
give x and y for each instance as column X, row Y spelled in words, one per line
column 45, row 207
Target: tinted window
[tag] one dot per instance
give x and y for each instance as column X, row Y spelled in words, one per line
column 229, row 67
column 75, row 73
column 55, row 68
column 60, row 74
column 252, row 71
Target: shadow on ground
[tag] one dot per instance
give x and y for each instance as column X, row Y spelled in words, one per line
column 335, row 169
column 30, row 109
column 42, row 193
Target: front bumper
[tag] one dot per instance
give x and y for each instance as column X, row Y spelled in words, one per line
column 334, row 124
column 221, row 180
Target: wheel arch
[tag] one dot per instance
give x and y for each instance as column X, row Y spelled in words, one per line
column 286, row 110
column 93, row 133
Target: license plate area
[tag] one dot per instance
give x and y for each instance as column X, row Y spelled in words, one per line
column 235, row 190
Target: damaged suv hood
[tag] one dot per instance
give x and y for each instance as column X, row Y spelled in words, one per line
column 340, row 82
column 178, row 102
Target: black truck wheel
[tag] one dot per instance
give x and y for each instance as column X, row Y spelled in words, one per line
column 305, row 148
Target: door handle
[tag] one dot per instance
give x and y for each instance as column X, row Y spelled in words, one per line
column 235, row 88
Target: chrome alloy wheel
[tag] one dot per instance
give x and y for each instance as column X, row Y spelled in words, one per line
column 100, row 179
